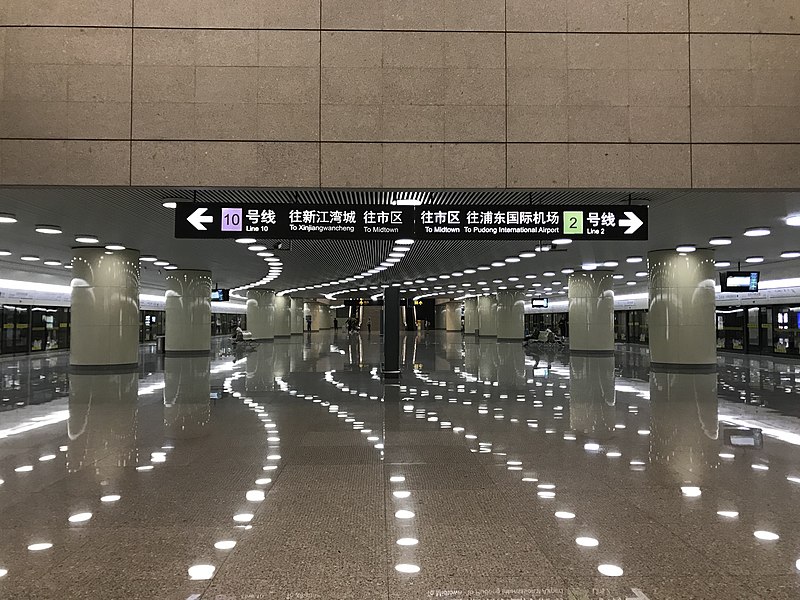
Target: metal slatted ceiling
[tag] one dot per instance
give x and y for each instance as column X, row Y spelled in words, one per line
column 136, row 218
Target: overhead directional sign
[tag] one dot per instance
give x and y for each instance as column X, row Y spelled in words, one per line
column 532, row 222
column 292, row 221
column 516, row 222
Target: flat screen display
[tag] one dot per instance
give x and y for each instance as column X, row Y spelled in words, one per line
column 220, row 295
column 739, row 281
column 540, row 302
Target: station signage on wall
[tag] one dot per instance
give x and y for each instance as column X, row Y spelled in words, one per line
column 516, row 222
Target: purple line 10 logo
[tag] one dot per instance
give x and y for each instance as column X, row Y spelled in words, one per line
column 231, row 219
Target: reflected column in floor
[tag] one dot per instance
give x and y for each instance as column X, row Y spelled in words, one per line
column 187, row 396
column 592, row 398
column 510, row 366
column 684, row 436
column 102, row 422
column 261, row 369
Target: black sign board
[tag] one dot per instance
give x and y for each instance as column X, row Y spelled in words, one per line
column 363, row 302
column 220, row 295
column 531, row 222
column 517, row 222
column 292, row 221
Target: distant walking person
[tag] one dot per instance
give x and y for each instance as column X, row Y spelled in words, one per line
column 308, row 323
column 369, row 325
column 335, row 324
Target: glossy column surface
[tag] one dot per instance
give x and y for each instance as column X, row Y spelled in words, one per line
column 283, row 316
column 510, row 316
column 104, row 308
column 188, row 307
column 681, row 317
column 297, row 316
column 471, row 320
column 261, row 314
column 591, row 311
column 488, row 466
column 452, row 316
column 487, row 315
column 440, row 316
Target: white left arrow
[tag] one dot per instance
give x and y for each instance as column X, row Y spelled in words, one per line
column 638, row 595
column 198, row 217
column 632, row 222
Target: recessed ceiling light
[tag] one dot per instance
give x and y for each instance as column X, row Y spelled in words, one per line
column 720, row 241
column 170, row 267
column 560, row 242
column 589, row 266
column 53, row 263
column 404, row 242
column 498, row 263
column 256, row 248
column 618, row 276
column 470, row 271
column 29, row 258
column 115, row 247
column 754, row 259
column 634, row 259
column 245, row 240
column 161, row 263
column 790, row 254
column 610, row 570
column 512, row 259
column 793, row 220
column 567, row 271
column 757, row 231
column 148, row 258
column 483, row 268
column 686, row 248
column 527, row 254
column 48, row 229
column 722, row 263
column 548, row 273
column 630, row 283
column 5, row 253
column 7, row 218
column 641, row 273
column 169, row 204
column 86, row 239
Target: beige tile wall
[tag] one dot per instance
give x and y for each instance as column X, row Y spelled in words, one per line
column 401, row 93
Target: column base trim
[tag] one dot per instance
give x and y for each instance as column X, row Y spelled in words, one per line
column 186, row 353
column 104, row 369
column 494, row 335
column 284, row 335
column 577, row 352
column 508, row 339
column 683, row 367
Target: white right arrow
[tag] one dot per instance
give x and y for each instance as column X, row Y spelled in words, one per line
column 197, row 219
column 638, row 595
column 632, row 222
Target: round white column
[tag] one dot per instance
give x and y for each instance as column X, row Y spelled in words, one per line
column 471, row 321
column 261, row 314
column 680, row 321
column 591, row 312
column 104, row 325
column 440, row 316
column 510, row 316
column 188, row 318
column 297, row 316
column 487, row 316
column 283, row 316
column 452, row 316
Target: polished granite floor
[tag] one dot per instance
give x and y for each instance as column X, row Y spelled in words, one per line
column 490, row 472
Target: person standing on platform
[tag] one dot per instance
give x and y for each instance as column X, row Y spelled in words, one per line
column 308, row 323
column 369, row 325
column 335, row 325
